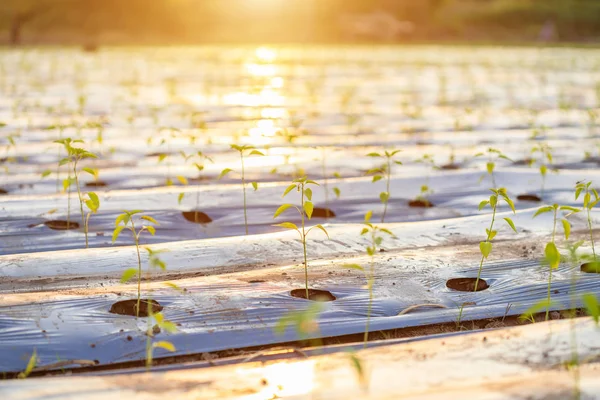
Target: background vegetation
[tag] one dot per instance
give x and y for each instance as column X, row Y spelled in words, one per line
column 193, row 21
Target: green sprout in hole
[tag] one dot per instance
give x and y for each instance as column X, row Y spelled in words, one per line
column 93, row 204
column 426, row 191
column 74, row 156
column 305, row 322
column 551, row 253
column 588, row 205
column 198, row 160
column 384, row 171
column 172, row 133
column 375, row 239
column 336, row 190
column 126, row 221
column 543, row 160
column 33, row 360
column 245, row 151
column 305, row 210
column 485, row 247
column 492, row 156
column 61, row 129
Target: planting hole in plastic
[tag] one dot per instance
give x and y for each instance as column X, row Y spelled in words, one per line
column 197, row 217
column 592, row 267
column 60, row 225
column 313, row 294
column 319, row 212
column 419, row 203
column 96, row 184
column 128, row 307
column 529, row 197
column 466, row 284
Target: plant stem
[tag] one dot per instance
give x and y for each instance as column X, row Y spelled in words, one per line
column 589, row 220
column 83, row 222
column 137, row 248
column 302, row 212
column 550, row 274
column 387, row 188
column 487, row 240
column 370, row 280
column 244, row 190
column 148, row 336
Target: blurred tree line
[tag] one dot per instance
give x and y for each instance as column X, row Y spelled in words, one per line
column 190, row 21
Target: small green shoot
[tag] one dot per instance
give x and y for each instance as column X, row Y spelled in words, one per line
column 492, row 156
column 33, row 360
column 384, row 171
column 588, row 205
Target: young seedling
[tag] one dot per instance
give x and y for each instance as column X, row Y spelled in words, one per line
column 493, row 155
column 74, row 156
column 172, row 133
column 93, row 204
column 198, row 160
column 33, row 360
column 60, row 128
column 305, row 322
column 551, row 253
column 245, row 151
column 485, row 247
column 544, row 159
column 336, row 190
column 126, row 221
column 161, row 324
column 374, row 232
column 384, row 171
column 588, row 205
column 423, row 196
column 305, row 210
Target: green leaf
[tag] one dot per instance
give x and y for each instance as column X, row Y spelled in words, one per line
column 117, row 232
column 376, row 178
column 566, row 228
column 46, row 172
column 90, row 171
column 368, row 216
column 536, row 308
column 128, row 274
column 511, row 224
column 174, row 286
column 483, row 204
column 95, row 201
column 288, row 225
column 543, row 210
column 164, row 345
column 374, row 154
column 552, row 255
column 289, row 189
column 490, row 167
column 30, row 365
column 281, row 209
column 364, row 231
column 569, row 208
column 255, row 185
column 224, row 172
column 308, row 193
column 384, row 197
column 180, row 197
column 319, row 226
column 151, row 229
column 543, row 170
column 353, row 266
column 493, row 200
column 510, row 203
column 586, row 200
column 161, row 157
column 256, row 152
column 591, row 306
column 149, row 219
column 308, row 209
column 485, row 248
column 337, row 192
column 182, row 179
column 169, row 326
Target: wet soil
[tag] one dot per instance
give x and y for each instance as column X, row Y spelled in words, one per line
column 450, row 167
column 466, row 284
column 3, row 191
column 313, row 294
column 96, row 184
column 197, row 217
column 60, row 225
column 420, row 203
column 129, row 307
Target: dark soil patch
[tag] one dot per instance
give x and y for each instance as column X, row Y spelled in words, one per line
column 420, row 203
column 60, row 225
column 197, row 217
column 313, row 294
column 592, row 267
column 319, row 212
column 466, row 284
column 3, row 191
column 129, row 307
column 525, row 161
column 450, row 166
column 199, row 179
column 96, row 184
column 529, row 197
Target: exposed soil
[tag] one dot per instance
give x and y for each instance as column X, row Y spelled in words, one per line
column 129, row 307
column 319, row 212
column 466, row 284
column 60, row 225
column 420, row 203
column 313, row 294
column 529, row 197
column 2, row 191
column 525, row 161
column 197, row 217
column 96, row 184
column 450, row 166
column 198, row 179
column 592, row 267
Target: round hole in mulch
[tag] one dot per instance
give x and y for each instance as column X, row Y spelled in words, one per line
column 129, row 307
column 525, row 161
column 199, row 179
column 96, row 184
column 313, row 294
column 319, row 212
column 466, row 284
column 529, row 197
column 197, row 217
column 419, row 203
column 450, row 166
column 592, row 267
column 2, row 191
column 60, row 225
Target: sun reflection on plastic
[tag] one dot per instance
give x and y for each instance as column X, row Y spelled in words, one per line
column 286, row 380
